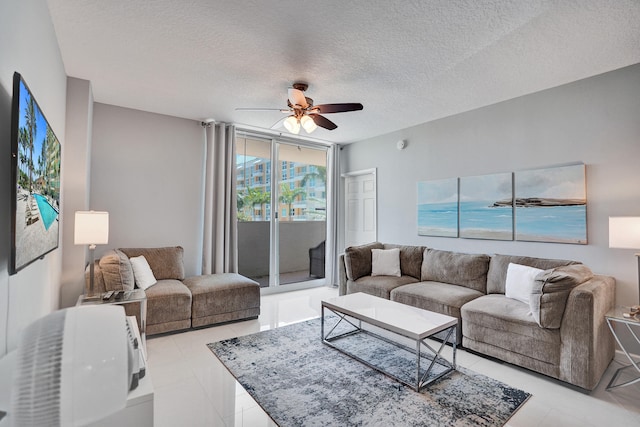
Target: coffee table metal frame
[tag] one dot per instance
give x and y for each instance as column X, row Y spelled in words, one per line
column 420, row 341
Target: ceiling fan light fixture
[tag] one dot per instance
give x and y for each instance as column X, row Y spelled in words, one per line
column 308, row 124
column 303, row 113
column 292, row 124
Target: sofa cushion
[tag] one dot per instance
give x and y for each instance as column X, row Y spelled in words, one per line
column 551, row 290
column 215, row 294
column 438, row 297
column 166, row 263
column 116, row 271
column 410, row 259
column 358, row 260
column 468, row 270
column 380, row 286
column 169, row 300
column 520, row 281
column 496, row 278
column 508, row 324
column 385, row 262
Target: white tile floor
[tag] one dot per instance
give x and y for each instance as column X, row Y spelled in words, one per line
column 192, row 388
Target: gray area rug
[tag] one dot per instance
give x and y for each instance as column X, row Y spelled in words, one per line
column 299, row 381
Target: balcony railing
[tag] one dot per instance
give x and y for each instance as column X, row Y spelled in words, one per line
column 295, row 238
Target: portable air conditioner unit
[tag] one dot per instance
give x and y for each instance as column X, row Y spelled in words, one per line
column 74, row 367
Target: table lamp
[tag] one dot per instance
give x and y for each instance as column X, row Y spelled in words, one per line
column 91, row 228
column 624, row 233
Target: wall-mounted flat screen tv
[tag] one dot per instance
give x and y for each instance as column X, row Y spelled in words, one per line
column 35, row 171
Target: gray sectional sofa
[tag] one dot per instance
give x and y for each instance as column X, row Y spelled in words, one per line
column 175, row 302
column 561, row 333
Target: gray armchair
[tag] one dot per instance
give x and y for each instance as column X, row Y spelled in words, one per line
column 316, row 261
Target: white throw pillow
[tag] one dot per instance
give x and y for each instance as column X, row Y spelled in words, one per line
column 520, row 281
column 385, row 262
column 142, row 272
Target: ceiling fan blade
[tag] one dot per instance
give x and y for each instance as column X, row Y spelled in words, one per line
column 264, row 109
column 323, row 122
column 337, row 108
column 280, row 123
column 296, row 97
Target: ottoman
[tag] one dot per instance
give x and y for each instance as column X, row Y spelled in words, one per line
column 222, row 297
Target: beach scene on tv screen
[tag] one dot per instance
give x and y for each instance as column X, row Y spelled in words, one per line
column 37, row 184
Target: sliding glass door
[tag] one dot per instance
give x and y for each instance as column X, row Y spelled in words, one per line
column 282, row 211
column 253, row 190
column 302, row 213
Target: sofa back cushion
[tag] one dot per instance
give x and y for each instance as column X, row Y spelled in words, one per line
column 468, row 270
column 357, row 260
column 116, row 271
column 410, row 259
column 497, row 276
column 165, row 263
column 551, row 290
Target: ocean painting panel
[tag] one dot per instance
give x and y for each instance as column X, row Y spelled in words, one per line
column 486, row 206
column 551, row 205
column 437, row 205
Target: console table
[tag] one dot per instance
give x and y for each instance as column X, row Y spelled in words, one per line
column 128, row 297
column 631, row 324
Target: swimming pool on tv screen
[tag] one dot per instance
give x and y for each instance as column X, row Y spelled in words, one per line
column 47, row 212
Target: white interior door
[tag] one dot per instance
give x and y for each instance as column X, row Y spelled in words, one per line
column 360, row 208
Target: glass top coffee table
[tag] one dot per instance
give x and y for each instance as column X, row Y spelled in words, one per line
column 351, row 311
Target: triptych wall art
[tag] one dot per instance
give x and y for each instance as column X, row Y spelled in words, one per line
column 538, row 205
column 438, row 208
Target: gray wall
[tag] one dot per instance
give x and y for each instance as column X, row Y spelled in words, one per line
column 28, row 45
column 595, row 121
column 147, row 172
column 76, row 184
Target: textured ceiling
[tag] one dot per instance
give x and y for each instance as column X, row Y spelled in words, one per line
column 408, row 62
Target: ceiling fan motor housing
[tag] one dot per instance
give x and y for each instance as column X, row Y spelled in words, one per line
column 300, row 86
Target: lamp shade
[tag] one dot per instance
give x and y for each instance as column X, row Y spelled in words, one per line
column 308, row 124
column 292, row 124
column 91, row 228
column 624, row 232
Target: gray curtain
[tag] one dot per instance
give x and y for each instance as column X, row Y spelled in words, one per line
column 220, row 252
column 333, row 195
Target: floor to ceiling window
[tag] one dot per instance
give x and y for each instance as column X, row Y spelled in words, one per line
column 282, row 210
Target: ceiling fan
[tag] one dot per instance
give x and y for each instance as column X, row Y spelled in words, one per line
column 302, row 112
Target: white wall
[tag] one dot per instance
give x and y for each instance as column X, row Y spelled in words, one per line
column 147, row 172
column 77, row 155
column 595, row 121
column 28, row 45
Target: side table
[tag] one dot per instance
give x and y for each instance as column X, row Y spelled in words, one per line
column 614, row 318
column 136, row 295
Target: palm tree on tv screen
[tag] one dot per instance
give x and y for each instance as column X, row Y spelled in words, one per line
column 23, row 145
column 30, row 117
